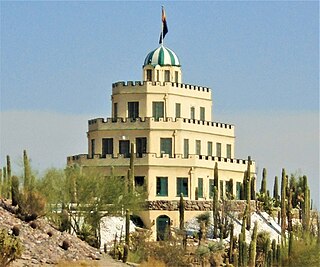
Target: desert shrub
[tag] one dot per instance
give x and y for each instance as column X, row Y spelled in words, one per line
column 31, row 205
column 171, row 253
column 49, row 233
column 65, row 244
column 10, row 248
column 15, row 230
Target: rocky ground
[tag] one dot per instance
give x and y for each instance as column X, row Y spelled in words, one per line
column 43, row 245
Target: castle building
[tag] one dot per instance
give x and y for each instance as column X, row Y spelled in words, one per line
column 176, row 142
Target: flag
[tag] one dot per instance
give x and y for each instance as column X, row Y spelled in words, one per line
column 164, row 26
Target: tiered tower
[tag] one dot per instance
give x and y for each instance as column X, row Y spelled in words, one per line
column 176, row 142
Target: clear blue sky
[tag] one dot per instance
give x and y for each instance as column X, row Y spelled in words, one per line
column 261, row 60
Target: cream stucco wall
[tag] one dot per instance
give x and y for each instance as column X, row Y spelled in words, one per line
column 153, row 163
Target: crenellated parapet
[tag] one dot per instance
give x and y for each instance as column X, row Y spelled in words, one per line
column 155, row 159
column 134, row 84
column 170, row 123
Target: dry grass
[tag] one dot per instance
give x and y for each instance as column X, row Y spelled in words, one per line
column 152, row 262
column 78, row 263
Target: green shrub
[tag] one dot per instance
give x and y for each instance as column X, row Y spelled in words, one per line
column 10, row 248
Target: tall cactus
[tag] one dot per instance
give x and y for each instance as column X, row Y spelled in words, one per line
column 14, row 190
column 216, row 176
column 8, row 177
column 306, row 205
column 1, row 185
column 289, row 210
column 276, row 191
column 127, row 227
column 248, row 193
column 181, row 212
column 263, row 189
column 253, row 188
column 4, row 182
column 253, row 246
column 283, row 205
column 27, row 171
column 243, row 244
column 215, row 212
column 131, row 172
column 231, row 243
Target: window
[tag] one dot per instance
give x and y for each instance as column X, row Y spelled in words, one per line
column 229, row 151
column 229, row 189
column 166, row 146
column 192, row 113
column 178, row 110
column 182, row 186
column 149, row 75
column 238, row 190
column 138, row 181
column 162, row 186
column 185, row 148
column 107, row 146
column 200, row 187
column 124, row 148
column 158, row 76
column 141, row 146
column 202, row 114
column 93, row 147
column 221, row 189
column 176, row 76
column 211, row 186
column 157, row 110
column 198, row 147
column 133, row 110
column 115, row 110
column 209, row 152
column 167, row 75
column 218, row 149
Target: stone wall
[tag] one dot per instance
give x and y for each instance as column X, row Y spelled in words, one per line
column 199, row 205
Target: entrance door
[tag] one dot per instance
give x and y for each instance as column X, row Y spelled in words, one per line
column 163, row 227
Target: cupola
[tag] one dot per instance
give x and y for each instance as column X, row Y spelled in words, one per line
column 162, row 65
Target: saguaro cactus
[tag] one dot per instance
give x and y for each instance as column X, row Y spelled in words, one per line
column 27, row 171
column 306, row 205
column 263, row 189
column 4, row 183
column 181, row 212
column 1, row 185
column 216, row 176
column 283, row 205
column 131, row 170
column 253, row 246
column 276, row 191
column 8, row 177
column 231, row 243
column 248, row 193
column 14, row 190
column 127, row 226
column 215, row 212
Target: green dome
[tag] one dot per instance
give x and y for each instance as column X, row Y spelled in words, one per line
column 162, row 56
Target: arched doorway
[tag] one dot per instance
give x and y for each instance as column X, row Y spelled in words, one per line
column 163, row 227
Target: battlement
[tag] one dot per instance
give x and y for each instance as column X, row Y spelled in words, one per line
column 150, row 156
column 151, row 119
column 177, row 85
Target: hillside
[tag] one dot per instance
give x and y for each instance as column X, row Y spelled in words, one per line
column 42, row 248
